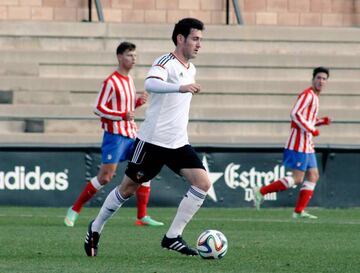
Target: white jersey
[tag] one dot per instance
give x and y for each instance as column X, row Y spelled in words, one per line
column 167, row 116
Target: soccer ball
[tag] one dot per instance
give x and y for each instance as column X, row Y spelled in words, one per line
column 212, row 244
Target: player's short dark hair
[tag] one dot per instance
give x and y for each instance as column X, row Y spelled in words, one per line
column 321, row 69
column 125, row 46
column 184, row 27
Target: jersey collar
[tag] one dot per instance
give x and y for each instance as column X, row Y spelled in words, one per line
column 187, row 66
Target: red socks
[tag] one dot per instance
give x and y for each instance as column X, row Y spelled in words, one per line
column 305, row 194
column 85, row 196
column 142, row 199
column 303, row 200
column 273, row 187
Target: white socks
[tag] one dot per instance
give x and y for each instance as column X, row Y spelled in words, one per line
column 95, row 182
column 189, row 205
column 288, row 181
column 112, row 203
column 146, row 184
column 307, row 185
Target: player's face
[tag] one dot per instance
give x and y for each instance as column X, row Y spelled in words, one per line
column 319, row 81
column 192, row 43
column 127, row 59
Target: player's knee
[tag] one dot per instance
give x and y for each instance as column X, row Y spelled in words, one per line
column 127, row 192
column 204, row 185
column 208, row 186
column 105, row 179
column 298, row 180
column 128, row 187
column 313, row 177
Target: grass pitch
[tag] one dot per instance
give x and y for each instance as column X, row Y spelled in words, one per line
column 35, row 240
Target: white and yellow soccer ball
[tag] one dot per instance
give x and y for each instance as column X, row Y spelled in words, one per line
column 212, row 244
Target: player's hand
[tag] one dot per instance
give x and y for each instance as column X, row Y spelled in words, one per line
column 315, row 132
column 143, row 98
column 323, row 121
column 193, row 88
column 326, row 120
column 129, row 116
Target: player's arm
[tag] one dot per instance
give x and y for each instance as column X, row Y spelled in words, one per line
column 296, row 114
column 142, row 99
column 157, row 85
column 157, row 81
column 101, row 109
column 323, row 121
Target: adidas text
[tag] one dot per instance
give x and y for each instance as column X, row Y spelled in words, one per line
column 21, row 179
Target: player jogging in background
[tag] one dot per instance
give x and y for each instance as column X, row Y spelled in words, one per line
column 163, row 140
column 299, row 153
column 115, row 105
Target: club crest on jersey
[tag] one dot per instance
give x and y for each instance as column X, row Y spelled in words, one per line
column 109, row 156
column 181, row 75
column 139, row 175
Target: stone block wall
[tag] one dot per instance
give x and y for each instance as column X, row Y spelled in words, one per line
column 340, row 13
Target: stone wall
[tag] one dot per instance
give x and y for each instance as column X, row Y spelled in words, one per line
column 254, row 12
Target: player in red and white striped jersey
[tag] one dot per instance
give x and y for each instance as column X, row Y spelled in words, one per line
column 303, row 119
column 115, row 105
column 299, row 153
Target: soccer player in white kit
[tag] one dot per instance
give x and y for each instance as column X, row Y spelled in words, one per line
column 299, row 152
column 163, row 140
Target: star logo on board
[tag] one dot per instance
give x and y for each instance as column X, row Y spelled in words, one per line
column 214, row 177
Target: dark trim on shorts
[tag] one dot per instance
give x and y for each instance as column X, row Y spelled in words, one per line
column 148, row 159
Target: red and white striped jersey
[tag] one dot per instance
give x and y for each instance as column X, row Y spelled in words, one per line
column 117, row 97
column 303, row 120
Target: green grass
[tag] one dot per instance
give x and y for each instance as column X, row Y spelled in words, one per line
column 35, row 240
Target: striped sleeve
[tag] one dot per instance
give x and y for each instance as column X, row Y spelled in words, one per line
column 321, row 121
column 102, row 104
column 298, row 112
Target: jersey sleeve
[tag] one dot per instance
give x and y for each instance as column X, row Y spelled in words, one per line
column 104, row 97
column 159, row 70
